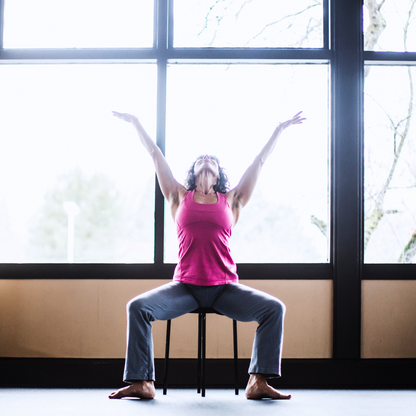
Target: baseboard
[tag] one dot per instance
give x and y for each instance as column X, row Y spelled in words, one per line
column 296, row 373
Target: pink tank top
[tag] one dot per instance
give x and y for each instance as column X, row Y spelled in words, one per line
column 203, row 233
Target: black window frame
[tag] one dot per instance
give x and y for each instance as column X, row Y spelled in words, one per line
column 343, row 50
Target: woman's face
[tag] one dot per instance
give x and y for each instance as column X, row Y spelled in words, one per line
column 207, row 163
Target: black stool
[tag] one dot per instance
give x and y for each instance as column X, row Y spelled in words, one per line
column 201, row 350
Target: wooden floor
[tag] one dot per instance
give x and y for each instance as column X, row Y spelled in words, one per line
column 80, row 402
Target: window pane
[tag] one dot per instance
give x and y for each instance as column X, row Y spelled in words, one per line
column 78, row 23
column 390, row 169
column 242, row 23
column 390, row 25
column 214, row 109
column 60, row 144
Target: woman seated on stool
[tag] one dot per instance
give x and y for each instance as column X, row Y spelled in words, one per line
column 205, row 212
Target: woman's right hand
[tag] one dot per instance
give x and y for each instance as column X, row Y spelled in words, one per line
column 296, row 119
column 125, row 116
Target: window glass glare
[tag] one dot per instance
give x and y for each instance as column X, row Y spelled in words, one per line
column 242, row 23
column 75, row 182
column 390, row 168
column 214, row 109
column 390, row 25
column 78, row 23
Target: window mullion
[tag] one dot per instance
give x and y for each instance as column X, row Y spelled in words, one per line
column 161, row 44
column 162, row 26
column 326, row 24
column 347, row 178
column 171, row 22
column 1, row 24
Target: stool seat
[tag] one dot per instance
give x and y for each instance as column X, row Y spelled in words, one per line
column 201, row 349
column 206, row 310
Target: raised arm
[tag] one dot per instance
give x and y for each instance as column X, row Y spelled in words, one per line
column 241, row 194
column 172, row 190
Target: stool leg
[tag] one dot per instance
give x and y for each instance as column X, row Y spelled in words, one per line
column 199, row 351
column 235, row 356
column 204, row 333
column 165, row 381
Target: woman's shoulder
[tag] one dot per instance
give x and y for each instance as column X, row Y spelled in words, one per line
column 230, row 196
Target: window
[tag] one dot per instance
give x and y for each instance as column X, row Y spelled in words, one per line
column 82, row 188
column 60, row 143
column 241, row 23
column 141, row 57
column 390, row 170
column 389, row 25
column 390, row 177
column 233, row 119
column 78, row 24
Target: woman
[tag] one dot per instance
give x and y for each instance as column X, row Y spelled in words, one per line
column 205, row 212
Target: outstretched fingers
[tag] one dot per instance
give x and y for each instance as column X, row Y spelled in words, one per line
column 123, row 116
column 297, row 119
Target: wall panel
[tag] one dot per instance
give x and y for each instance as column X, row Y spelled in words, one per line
column 86, row 319
column 388, row 327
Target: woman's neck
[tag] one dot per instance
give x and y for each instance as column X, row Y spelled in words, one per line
column 205, row 183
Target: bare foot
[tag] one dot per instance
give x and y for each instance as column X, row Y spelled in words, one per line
column 142, row 389
column 257, row 389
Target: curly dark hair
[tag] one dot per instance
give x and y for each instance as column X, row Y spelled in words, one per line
column 222, row 186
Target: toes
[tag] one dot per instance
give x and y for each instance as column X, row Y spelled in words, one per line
column 116, row 395
column 268, row 394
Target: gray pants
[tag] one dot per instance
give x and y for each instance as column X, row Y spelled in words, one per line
column 174, row 299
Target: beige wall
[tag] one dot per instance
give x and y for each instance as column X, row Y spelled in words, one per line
column 86, row 319
column 388, row 319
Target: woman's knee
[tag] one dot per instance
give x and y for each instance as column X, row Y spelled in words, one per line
column 136, row 305
column 277, row 307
